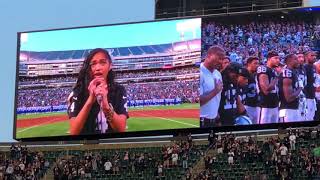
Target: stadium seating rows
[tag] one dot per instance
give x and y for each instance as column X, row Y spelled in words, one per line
column 127, row 163
column 187, row 90
column 119, row 75
column 81, row 54
column 289, row 155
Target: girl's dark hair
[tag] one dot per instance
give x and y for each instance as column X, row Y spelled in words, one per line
column 84, row 78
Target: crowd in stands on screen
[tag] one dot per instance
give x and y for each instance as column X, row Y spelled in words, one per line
column 119, row 75
column 178, row 91
column 257, row 38
column 183, row 89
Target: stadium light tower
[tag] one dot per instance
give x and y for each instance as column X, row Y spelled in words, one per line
column 182, row 35
column 110, row 51
column 24, row 38
column 188, row 26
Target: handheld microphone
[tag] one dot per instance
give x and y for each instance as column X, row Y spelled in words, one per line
column 99, row 96
column 99, row 99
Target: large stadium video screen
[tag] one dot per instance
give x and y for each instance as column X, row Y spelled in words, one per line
column 250, row 70
column 108, row 79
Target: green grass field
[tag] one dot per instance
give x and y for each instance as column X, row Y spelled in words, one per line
column 133, row 123
column 181, row 106
column 54, row 129
column 157, row 123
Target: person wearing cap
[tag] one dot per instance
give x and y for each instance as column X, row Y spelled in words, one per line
column 289, row 90
column 243, row 79
column 230, row 105
column 268, row 90
column 251, row 102
column 210, row 86
column 309, row 89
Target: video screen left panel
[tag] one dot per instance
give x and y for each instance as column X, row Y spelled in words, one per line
column 145, row 77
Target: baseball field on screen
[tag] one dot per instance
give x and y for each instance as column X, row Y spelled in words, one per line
column 141, row 119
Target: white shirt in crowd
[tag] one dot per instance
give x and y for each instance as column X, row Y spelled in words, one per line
column 292, row 138
column 107, row 166
column 46, row 163
column 2, row 168
column 82, row 171
column 246, row 139
column 10, row 169
column 231, row 154
column 174, row 157
column 220, row 150
column 283, row 150
column 219, row 137
column 160, row 169
column 230, row 158
column 22, row 166
column 210, row 109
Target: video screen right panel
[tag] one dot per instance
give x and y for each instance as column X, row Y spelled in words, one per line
column 260, row 69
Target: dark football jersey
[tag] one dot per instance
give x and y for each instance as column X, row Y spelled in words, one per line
column 270, row 100
column 309, row 89
column 117, row 98
column 302, row 75
column 288, row 74
column 251, row 98
column 228, row 104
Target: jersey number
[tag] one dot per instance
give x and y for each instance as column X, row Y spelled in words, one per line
column 261, row 69
column 287, row 74
column 72, row 107
column 252, row 90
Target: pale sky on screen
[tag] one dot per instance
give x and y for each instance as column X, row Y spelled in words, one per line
column 125, row 35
